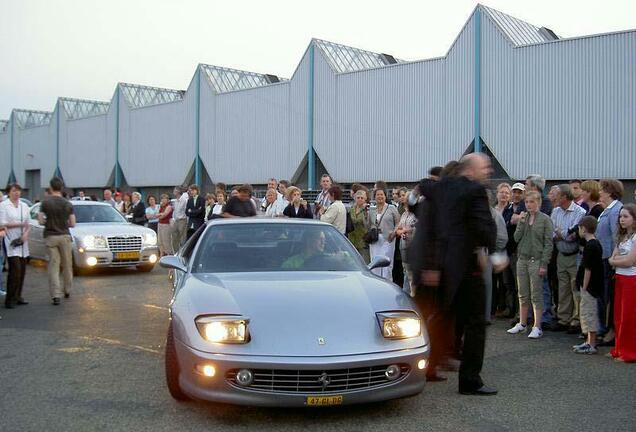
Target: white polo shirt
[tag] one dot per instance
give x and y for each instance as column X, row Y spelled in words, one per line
column 10, row 214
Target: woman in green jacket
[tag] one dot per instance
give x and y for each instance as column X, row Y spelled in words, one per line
column 534, row 238
column 360, row 217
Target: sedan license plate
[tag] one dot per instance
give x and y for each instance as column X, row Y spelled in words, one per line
column 324, row 400
column 127, row 255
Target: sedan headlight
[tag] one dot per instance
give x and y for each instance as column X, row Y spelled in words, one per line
column 399, row 325
column 93, row 242
column 223, row 329
column 150, row 239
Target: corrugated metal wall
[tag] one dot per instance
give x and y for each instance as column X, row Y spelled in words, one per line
column 156, row 143
column 564, row 109
column 87, row 150
column 393, row 123
column 34, row 149
column 5, row 151
column 251, row 129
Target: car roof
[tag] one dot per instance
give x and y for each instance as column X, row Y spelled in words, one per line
column 266, row 220
column 83, row 203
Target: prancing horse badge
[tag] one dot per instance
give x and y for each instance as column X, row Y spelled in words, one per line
column 321, row 341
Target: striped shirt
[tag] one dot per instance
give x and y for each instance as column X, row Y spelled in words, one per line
column 563, row 221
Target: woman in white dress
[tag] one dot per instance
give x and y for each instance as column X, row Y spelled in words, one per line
column 14, row 218
column 386, row 218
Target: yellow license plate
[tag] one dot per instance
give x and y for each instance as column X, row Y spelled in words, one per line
column 324, row 400
column 127, row 255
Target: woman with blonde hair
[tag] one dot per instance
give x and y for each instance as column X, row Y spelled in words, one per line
column 359, row 213
column 534, row 238
column 273, row 206
column 297, row 207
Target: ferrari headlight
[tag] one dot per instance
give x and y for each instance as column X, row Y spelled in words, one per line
column 223, row 329
column 400, row 325
column 94, row 242
column 150, row 239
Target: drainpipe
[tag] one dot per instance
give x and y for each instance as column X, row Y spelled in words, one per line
column 197, row 131
column 12, row 122
column 477, row 120
column 117, row 168
column 311, row 154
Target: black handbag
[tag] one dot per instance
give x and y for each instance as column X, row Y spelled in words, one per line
column 373, row 234
column 350, row 227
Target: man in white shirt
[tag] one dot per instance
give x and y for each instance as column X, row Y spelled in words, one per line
column 271, row 184
column 180, row 225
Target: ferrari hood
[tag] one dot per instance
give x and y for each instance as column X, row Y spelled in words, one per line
column 294, row 313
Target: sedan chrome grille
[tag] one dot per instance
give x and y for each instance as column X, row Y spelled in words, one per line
column 318, row 381
column 124, row 244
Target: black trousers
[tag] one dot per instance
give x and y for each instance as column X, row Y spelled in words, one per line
column 15, row 279
column 470, row 303
column 440, row 331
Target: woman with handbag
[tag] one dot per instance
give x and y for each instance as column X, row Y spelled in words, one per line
column 385, row 218
column 14, row 218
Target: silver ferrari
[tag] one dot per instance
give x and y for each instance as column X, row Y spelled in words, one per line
column 101, row 238
column 284, row 312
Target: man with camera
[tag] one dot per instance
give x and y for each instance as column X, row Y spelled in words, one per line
column 56, row 214
column 14, row 218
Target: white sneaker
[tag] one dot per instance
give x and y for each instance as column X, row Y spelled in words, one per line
column 518, row 328
column 536, row 333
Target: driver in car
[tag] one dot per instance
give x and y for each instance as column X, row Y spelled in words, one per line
column 314, row 246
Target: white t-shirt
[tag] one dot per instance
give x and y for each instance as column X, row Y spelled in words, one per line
column 180, row 207
column 625, row 248
column 9, row 214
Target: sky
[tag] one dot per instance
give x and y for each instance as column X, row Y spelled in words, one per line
column 83, row 48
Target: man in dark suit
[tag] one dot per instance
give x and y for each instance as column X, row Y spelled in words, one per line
column 195, row 210
column 460, row 228
column 138, row 209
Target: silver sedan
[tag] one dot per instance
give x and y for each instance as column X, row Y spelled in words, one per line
column 101, row 238
column 285, row 313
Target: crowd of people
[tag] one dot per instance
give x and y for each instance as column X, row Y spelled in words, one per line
column 549, row 260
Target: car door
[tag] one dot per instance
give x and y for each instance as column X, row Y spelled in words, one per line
column 37, row 248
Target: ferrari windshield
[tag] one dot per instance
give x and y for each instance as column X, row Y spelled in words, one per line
column 97, row 213
column 263, row 247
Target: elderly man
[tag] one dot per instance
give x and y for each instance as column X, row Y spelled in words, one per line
column 565, row 218
column 108, row 198
column 271, row 184
column 138, row 209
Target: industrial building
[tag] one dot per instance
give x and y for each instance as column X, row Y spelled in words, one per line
column 538, row 103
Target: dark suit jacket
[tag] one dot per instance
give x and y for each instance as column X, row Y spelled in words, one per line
column 195, row 212
column 302, row 212
column 457, row 221
column 139, row 214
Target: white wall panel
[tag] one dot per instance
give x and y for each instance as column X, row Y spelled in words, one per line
column 563, row 109
column 34, row 149
column 87, row 150
column 5, row 160
column 251, row 136
column 156, row 144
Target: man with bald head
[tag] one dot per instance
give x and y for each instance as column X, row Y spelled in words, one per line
column 460, row 228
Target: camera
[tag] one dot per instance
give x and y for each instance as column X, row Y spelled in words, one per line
column 16, row 242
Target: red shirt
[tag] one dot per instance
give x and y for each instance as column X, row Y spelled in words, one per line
column 166, row 219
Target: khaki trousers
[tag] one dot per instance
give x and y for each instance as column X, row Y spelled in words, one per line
column 60, row 254
column 569, row 297
column 179, row 231
column 164, row 232
column 530, row 284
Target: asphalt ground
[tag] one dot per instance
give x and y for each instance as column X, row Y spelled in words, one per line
column 95, row 363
